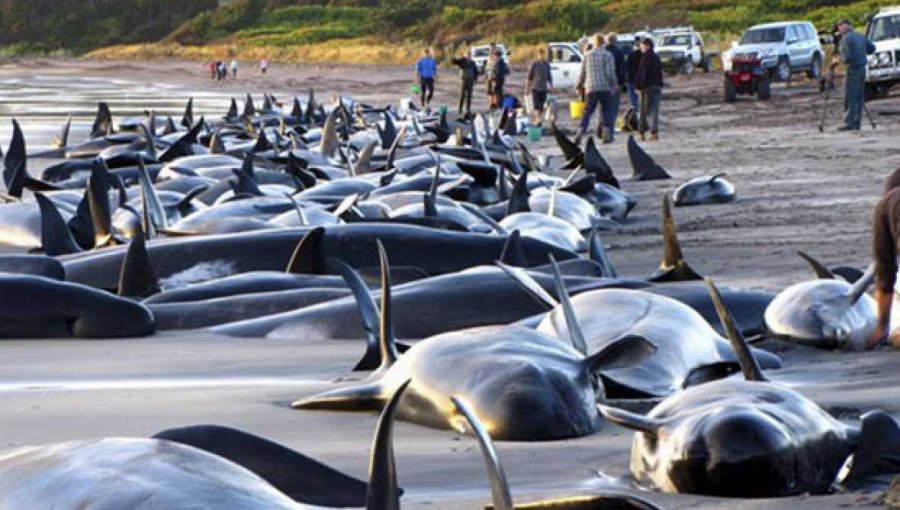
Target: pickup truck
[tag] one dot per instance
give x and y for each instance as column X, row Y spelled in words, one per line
column 883, row 70
column 565, row 63
column 681, row 49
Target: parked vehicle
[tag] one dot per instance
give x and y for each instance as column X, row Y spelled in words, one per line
column 746, row 77
column 681, row 49
column 565, row 63
column 481, row 54
column 783, row 49
column 883, row 71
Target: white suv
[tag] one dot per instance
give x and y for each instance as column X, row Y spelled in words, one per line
column 884, row 65
column 784, row 48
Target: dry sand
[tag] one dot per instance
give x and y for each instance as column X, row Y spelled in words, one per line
column 798, row 189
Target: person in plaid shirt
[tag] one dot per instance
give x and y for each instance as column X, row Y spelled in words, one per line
column 597, row 83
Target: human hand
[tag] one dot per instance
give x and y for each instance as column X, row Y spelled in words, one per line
column 877, row 336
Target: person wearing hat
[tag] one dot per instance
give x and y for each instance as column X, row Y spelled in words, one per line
column 852, row 52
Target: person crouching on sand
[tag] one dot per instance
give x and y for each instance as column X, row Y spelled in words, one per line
column 885, row 238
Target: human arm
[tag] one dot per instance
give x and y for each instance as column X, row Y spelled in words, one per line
column 884, row 254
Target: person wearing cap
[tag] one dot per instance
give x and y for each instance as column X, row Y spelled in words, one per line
column 852, row 52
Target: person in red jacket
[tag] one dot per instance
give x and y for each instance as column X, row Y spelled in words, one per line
column 649, row 81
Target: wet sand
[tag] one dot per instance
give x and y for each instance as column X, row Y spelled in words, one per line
column 798, row 189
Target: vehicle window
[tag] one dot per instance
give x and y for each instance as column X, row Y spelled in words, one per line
column 564, row 54
column 676, row 40
column 884, row 28
column 763, row 35
column 792, row 33
column 811, row 33
column 481, row 52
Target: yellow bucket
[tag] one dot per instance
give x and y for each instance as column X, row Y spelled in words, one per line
column 576, row 109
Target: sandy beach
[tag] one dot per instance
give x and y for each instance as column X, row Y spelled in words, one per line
column 798, row 189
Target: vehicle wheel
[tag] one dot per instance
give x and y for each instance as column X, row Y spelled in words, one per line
column 783, row 69
column 688, row 67
column 730, row 92
column 707, row 64
column 763, row 88
column 815, row 70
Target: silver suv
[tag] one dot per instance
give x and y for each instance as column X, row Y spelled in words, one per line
column 784, row 48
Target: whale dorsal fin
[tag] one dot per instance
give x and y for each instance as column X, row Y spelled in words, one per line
column 576, row 335
column 597, row 253
column 15, row 163
column 643, row 167
column 573, row 154
column 818, row 268
column 383, row 492
column 98, row 186
column 137, row 278
column 631, row 420
column 529, row 285
column 361, row 166
column 62, row 140
column 596, row 165
column 392, row 153
column 307, row 255
column 56, row 238
column 860, row 286
column 513, row 253
column 673, row 267
column 500, row 493
column 749, row 364
column 371, row 318
column 102, row 121
column 518, row 199
column 387, row 342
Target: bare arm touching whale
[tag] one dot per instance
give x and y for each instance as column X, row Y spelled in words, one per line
column 884, row 252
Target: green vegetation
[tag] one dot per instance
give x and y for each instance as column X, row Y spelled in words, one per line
column 51, row 26
column 44, row 26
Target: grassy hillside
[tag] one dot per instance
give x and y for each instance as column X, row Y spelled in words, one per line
column 378, row 31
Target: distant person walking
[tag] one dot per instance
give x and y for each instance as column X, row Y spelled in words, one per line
column 263, row 66
column 425, row 77
column 649, row 80
column 496, row 70
column 853, row 50
column 468, row 73
column 621, row 73
column 631, row 68
column 539, row 83
column 234, row 68
column 211, row 65
column 597, row 83
column 221, row 70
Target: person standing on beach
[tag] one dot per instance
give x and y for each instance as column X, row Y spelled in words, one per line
column 885, row 240
column 234, row 68
column 539, row 83
column 619, row 58
column 425, row 76
column 853, row 51
column 468, row 73
column 263, row 66
column 649, row 81
column 211, row 65
column 496, row 71
column 631, row 68
column 597, row 84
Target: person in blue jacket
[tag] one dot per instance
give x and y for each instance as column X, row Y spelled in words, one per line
column 426, row 74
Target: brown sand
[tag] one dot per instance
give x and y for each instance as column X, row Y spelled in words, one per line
column 798, row 189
